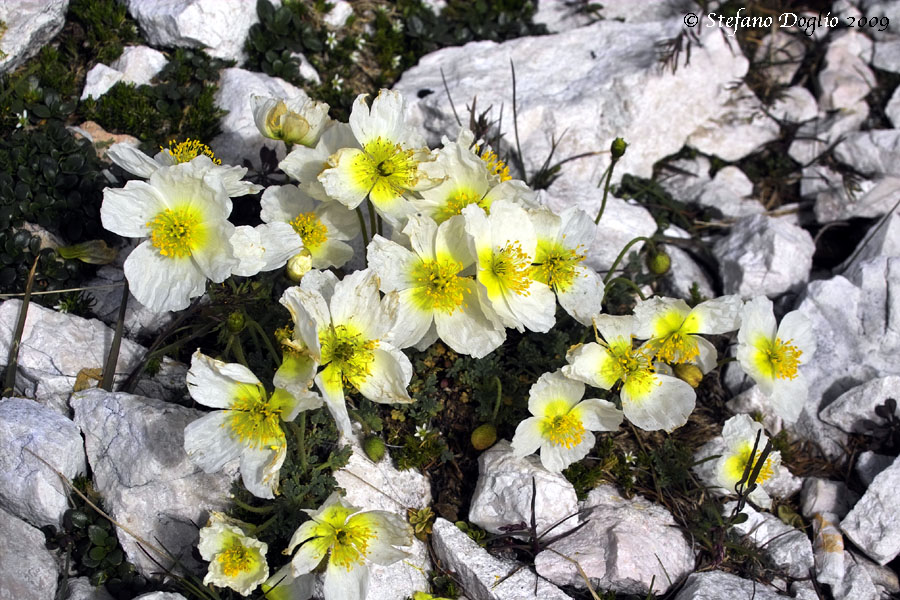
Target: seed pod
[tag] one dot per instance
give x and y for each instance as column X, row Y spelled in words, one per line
column 484, row 436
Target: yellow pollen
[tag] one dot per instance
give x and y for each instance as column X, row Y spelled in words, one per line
column 513, row 268
column 632, row 366
column 563, row 430
column 351, row 544
column 236, row 559
column 175, row 232
column 495, row 165
column 313, row 231
column 737, row 463
column 349, row 352
column 676, row 347
column 554, row 265
column 253, row 419
column 781, row 359
column 386, row 164
column 457, row 201
column 439, row 286
column 188, row 150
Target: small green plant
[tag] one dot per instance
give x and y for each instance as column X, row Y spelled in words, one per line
column 885, row 432
column 106, row 27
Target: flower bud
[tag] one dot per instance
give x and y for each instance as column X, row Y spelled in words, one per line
column 617, row 148
column 374, row 448
column 236, row 322
column 94, row 252
column 688, row 373
column 484, row 436
column 659, row 262
column 299, row 265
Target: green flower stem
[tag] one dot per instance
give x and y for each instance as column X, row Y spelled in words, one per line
column 299, row 429
column 238, row 350
column 362, row 226
column 627, row 282
column 498, row 400
column 262, row 526
column 254, row 509
column 608, row 175
column 258, row 328
column 373, row 222
column 621, row 255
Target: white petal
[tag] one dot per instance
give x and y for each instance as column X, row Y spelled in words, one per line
column 467, row 330
column 357, row 303
column 789, row 396
column 341, row 584
column 583, row 299
column 757, row 320
column 556, row 458
column 310, row 315
column 667, row 405
column 451, row 238
column 215, row 383
column 797, row 327
column 577, row 229
column 333, row 253
column 342, row 223
column 648, row 314
column 421, row 231
column 536, row 310
column 127, row 210
column 208, row 442
column 259, row 470
column 283, row 203
column 392, row 262
column 132, row 160
column 586, row 363
column 161, row 283
column 215, row 258
column 389, row 530
column 391, row 373
column 412, row 323
column 717, row 316
column 707, row 359
column 598, row 415
column 341, row 180
column 741, row 429
column 551, row 388
column 612, row 328
column 528, row 437
column 310, row 554
column 330, row 385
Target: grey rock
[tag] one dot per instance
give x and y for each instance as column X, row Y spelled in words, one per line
column 338, row 15
column 814, row 138
column 846, row 78
column 628, row 546
column 779, row 56
column 685, row 178
column 139, row 64
column 873, row 152
column 764, row 255
column 795, row 105
column 857, row 198
column 28, row 571
column 857, row 583
column 804, row 590
column 220, row 28
column 851, row 408
column 56, row 347
column 29, row 489
column 869, row 464
column 621, row 222
column 684, row 271
column 135, row 447
column 886, row 55
column 741, row 129
column 29, row 25
column 787, row 548
column 480, row 573
column 503, row 493
column 622, row 92
column 379, row 486
column 826, row 496
column 730, row 193
column 892, row 109
column 240, row 139
column 872, row 524
column 80, row 588
column 828, row 546
column 750, row 400
column 716, row 585
column 558, row 17
column 99, row 80
column 161, row 596
column 884, row 578
column 306, row 70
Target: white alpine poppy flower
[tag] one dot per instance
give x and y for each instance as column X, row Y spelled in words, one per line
column 284, row 586
column 323, row 229
column 298, row 120
column 739, row 433
column 184, row 211
column 673, row 327
column 772, row 356
column 386, row 169
column 562, row 422
column 248, row 426
column 348, row 540
column 467, row 178
column 504, row 244
column 304, row 164
column 236, row 560
column 344, row 326
column 436, row 298
column 562, row 243
column 264, row 247
column 650, row 399
column 137, row 163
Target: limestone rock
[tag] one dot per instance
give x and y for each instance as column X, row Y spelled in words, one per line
column 685, row 178
column 240, row 139
column 503, row 493
column 621, row 222
column 846, row 78
column 856, row 583
column 872, row 524
column 848, row 412
column 98, row 81
column 135, row 446
column 684, row 271
column 56, row 347
column 29, row 489
column 779, row 56
column 28, row 571
column 220, row 28
column 886, row 55
column 479, row 572
column 869, row 464
column 826, row 496
column 338, row 15
column 789, row 549
column 379, row 486
column 892, row 110
column 764, row 255
column 29, row 25
column 606, row 91
column 865, row 198
column 795, row 105
column 873, row 152
column 139, row 64
column 882, row 240
column 730, row 193
column 816, row 137
column 716, row 585
column 80, row 588
column 100, row 138
column 627, row 546
column 741, row 128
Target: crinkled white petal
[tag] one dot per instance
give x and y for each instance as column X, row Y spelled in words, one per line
column 789, row 396
column 208, row 442
column 126, row 211
column 331, row 386
column 796, row 327
column 615, row 327
column 392, row 263
column 357, row 303
column 341, row 584
column 757, row 320
column 215, row 383
column 283, row 585
column 161, row 283
column 587, row 362
column 528, row 437
column 598, row 415
column 552, row 388
column 717, row 316
column 708, row 356
column 283, row 203
column 467, row 330
column 647, row 314
column 260, row 468
column 556, row 458
column 340, row 180
column 667, row 406
column 391, row 372
column 583, row 299
column 132, row 160
column 310, row 314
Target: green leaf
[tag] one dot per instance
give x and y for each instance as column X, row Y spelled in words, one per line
column 97, row 535
column 97, row 553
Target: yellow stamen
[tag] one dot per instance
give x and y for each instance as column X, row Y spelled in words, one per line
column 349, row 352
column 554, row 265
column 632, row 366
column 495, row 165
column 175, row 233
column 676, row 347
column 457, row 201
column 188, row 150
column 563, row 430
column 235, row 559
column 736, row 464
column 439, row 285
column 311, row 229
column 778, row 359
column 512, row 267
column 351, row 544
column 388, row 164
column 254, row 420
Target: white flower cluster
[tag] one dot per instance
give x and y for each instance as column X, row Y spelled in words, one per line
column 471, row 254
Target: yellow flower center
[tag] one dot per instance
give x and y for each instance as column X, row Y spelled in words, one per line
column 175, row 233
column 350, row 544
column 235, row 559
column 439, row 286
column 313, row 231
column 254, row 420
column 386, row 164
column 349, row 352
column 512, row 267
column 563, row 430
column 188, row 150
column 495, row 165
column 778, row 359
column 457, row 201
column 632, row 366
column 736, row 464
column 554, row 265
column 673, row 341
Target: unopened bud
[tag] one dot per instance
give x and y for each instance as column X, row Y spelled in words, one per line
column 484, row 436
column 659, row 262
column 299, row 265
column 688, row 373
column 94, row 252
column 374, row 448
column 617, row 148
column 236, row 322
